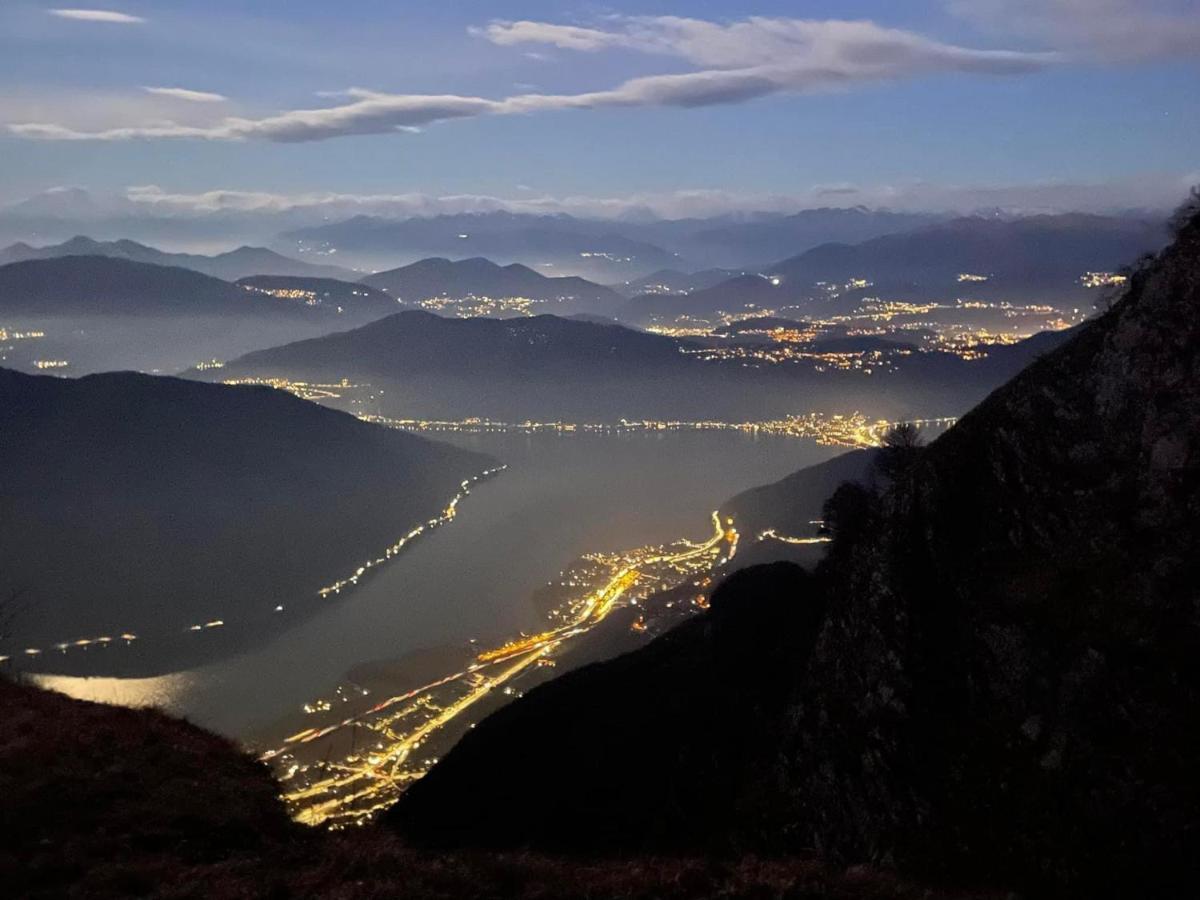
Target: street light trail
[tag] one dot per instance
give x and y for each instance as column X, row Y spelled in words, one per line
column 352, row 790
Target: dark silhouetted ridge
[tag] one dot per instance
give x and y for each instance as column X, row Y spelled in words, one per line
column 1037, row 249
column 101, row 285
column 229, row 266
column 416, row 342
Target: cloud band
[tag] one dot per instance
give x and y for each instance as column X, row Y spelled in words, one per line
column 738, row 62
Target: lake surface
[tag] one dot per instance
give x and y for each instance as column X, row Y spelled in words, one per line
column 562, row 496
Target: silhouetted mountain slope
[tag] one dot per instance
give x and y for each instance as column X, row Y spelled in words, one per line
column 550, row 367
column 1038, row 257
column 1009, row 669
column 101, row 285
column 95, row 794
column 108, row 802
column 996, row 669
column 431, row 278
column 414, row 342
column 1037, row 250
column 98, row 285
column 543, row 366
column 130, row 503
column 228, row 266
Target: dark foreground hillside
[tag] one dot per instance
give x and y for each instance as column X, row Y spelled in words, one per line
column 994, row 672
column 106, row 802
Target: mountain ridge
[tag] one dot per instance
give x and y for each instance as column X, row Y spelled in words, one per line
column 232, row 265
column 548, row 367
column 99, row 285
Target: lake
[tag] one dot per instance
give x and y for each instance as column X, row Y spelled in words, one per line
column 562, row 496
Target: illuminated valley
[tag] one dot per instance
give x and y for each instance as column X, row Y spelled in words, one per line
column 853, row 430
column 344, row 771
column 836, row 430
column 793, row 335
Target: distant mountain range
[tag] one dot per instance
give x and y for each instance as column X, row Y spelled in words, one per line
column 482, row 278
column 553, row 244
column 776, row 237
column 1038, row 257
column 130, row 503
column 611, row 250
column 231, row 266
column 1037, row 251
column 603, row 250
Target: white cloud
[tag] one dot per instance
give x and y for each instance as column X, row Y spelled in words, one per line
column 1152, row 191
column 568, row 37
column 733, row 62
column 845, row 48
column 178, row 93
column 740, row 61
column 97, row 15
column 369, row 113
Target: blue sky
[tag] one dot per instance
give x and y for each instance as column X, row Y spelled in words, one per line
column 771, row 102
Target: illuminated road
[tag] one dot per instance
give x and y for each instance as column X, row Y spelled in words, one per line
column 349, row 791
column 771, row 534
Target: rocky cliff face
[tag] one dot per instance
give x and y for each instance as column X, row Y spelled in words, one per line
column 1009, row 670
column 1003, row 674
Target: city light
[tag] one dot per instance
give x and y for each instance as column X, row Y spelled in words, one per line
column 400, row 736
